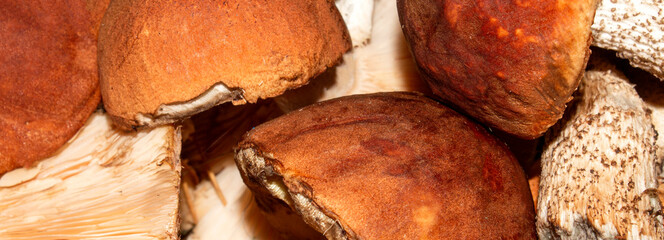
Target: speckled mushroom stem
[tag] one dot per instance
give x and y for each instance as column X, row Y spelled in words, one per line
column 599, row 179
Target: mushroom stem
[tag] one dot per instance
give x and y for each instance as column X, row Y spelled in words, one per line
column 633, row 28
column 598, row 166
column 103, row 184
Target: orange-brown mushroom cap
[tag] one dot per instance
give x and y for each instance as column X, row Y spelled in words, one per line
column 512, row 65
column 157, row 54
column 389, row 166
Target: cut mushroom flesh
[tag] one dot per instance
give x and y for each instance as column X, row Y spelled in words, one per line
column 103, row 184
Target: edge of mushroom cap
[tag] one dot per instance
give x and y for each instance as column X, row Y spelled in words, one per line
column 257, row 170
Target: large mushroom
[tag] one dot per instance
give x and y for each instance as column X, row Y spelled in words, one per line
column 162, row 61
column 385, row 166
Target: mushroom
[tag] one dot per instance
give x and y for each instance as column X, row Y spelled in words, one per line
column 512, row 65
column 634, row 29
column 381, row 64
column 598, row 178
column 385, row 166
column 102, row 184
column 48, row 76
column 162, row 61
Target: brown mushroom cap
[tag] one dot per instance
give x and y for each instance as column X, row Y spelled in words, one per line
column 388, row 165
column 510, row 64
column 48, row 76
column 158, row 56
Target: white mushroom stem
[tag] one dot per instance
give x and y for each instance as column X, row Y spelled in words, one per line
column 652, row 93
column 635, row 29
column 598, row 176
column 357, row 15
column 103, row 184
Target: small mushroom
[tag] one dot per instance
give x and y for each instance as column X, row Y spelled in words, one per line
column 635, row 30
column 103, row 184
column 599, row 176
column 162, row 61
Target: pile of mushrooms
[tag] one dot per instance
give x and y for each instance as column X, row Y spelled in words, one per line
column 118, row 175
column 122, row 119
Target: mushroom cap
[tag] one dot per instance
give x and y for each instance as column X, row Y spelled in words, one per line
column 512, row 65
column 48, row 76
column 161, row 61
column 388, row 165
